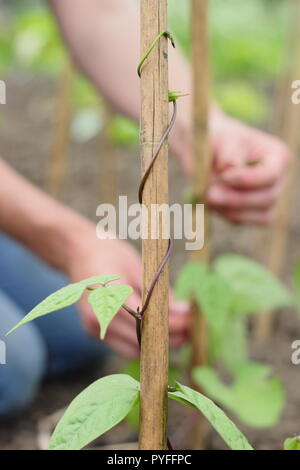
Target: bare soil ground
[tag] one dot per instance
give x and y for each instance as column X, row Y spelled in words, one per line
column 26, row 129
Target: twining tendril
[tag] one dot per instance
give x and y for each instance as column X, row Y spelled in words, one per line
column 157, row 151
column 167, row 35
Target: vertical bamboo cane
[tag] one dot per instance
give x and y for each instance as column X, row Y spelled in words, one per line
column 108, row 161
column 154, row 122
column 202, row 164
column 59, row 157
column 289, row 115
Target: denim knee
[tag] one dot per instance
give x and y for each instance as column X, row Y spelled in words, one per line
column 25, row 360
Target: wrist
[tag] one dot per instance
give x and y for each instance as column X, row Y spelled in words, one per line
column 181, row 136
column 65, row 239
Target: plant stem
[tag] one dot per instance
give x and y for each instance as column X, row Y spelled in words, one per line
column 154, row 332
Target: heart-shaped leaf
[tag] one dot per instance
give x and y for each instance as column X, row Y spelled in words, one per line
column 297, row 283
column 63, row 298
column 189, row 280
column 232, row 348
column 106, row 302
column 256, row 289
column 215, row 300
column 255, row 398
column 100, row 407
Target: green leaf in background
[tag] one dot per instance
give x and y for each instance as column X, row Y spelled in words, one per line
column 242, row 101
column 255, row 288
column 247, row 51
column 37, row 43
column 292, row 443
column 297, row 283
column 97, row 409
column 85, row 94
column 215, row 300
column 232, row 349
column 123, row 131
column 179, row 19
column 217, row 418
column 253, row 397
column 253, row 36
column 63, row 298
column 6, row 50
column 106, row 302
column 132, row 368
column 189, row 279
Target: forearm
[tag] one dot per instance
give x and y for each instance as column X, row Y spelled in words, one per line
column 46, row 227
column 103, row 36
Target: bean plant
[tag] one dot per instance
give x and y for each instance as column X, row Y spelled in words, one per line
column 108, row 400
column 228, row 292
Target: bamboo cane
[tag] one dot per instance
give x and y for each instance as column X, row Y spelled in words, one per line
column 289, row 117
column 202, row 164
column 108, row 161
column 59, row 156
column 154, row 121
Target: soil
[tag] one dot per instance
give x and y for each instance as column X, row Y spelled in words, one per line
column 26, row 127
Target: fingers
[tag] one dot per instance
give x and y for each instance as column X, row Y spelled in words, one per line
column 231, row 153
column 267, row 172
column 248, row 216
column 223, row 197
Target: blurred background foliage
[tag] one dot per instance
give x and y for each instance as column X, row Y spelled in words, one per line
column 247, row 44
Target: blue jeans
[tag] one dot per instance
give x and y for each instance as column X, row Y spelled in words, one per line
column 51, row 345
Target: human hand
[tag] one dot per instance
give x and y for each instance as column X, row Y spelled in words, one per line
column 249, row 172
column 97, row 257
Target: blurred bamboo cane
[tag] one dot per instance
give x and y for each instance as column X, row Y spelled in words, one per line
column 108, row 161
column 286, row 126
column 202, row 164
column 60, row 150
